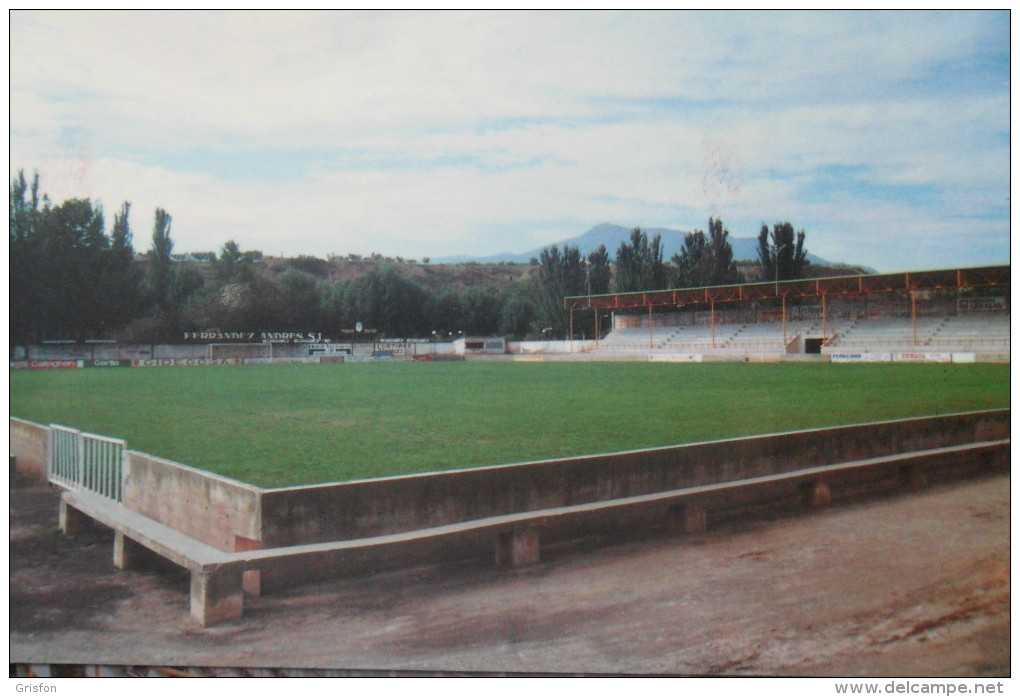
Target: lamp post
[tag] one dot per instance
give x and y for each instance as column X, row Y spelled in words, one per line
column 587, row 273
column 775, row 262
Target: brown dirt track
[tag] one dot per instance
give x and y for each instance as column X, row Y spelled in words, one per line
column 908, row 585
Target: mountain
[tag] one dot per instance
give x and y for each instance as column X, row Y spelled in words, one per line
column 744, row 248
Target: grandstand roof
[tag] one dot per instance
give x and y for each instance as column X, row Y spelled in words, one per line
column 945, row 279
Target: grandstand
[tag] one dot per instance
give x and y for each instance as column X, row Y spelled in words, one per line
column 986, row 335
column 921, row 314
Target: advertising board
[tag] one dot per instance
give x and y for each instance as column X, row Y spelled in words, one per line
column 109, row 363
column 188, row 362
column 860, row 357
column 50, row 365
column 923, row 356
column 675, row 357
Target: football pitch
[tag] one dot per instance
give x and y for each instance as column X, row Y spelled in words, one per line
column 284, row 425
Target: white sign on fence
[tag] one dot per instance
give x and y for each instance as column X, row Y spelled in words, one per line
column 854, row 357
column 923, row 356
column 675, row 357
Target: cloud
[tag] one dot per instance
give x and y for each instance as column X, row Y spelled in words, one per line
column 424, row 134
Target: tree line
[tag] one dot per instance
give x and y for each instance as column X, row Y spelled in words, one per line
column 72, row 280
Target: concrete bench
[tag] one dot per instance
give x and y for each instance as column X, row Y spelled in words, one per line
column 216, row 577
column 516, row 535
column 216, row 587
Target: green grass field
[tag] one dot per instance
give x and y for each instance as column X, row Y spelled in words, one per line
column 300, row 424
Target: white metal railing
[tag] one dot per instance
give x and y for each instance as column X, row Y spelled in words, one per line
column 79, row 460
column 63, row 457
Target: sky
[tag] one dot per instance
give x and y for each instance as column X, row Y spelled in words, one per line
column 884, row 136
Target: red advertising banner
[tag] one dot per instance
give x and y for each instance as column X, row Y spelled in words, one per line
column 44, row 365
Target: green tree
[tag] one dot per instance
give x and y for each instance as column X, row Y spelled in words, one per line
column 706, row 260
column 599, row 270
column 123, row 283
column 691, row 261
column 784, row 258
column 69, row 280
column 300, row 299
column 73, row 244
column 560, row 274
column 639, row 264
column 563, row 274
column 334, row 306
column 381, row 299
column 161, row 271
column 723, row 268
column 517, row 316
column 233, row 265
column 238, row 299
column 444, row 312
column 481, row 309
column 25, row 262
column 187, row 280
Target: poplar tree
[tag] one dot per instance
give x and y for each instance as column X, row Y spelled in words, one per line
column 706, row 260
column 784, row 258
column 25, row 297
column 122, row 279
column 639, row 264
column 161, row 273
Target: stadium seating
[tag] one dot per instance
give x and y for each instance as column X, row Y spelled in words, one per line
column 991, row 330
column 849, row 331
column 954, row 333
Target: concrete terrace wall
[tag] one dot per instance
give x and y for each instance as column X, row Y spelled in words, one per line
column 28, row 446
column 218, row 511
column 303, row 515
column 233, row 516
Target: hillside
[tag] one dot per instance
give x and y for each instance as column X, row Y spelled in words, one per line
column 432, row 275
column 744, row 248
column 501, row 271
column 446, row 274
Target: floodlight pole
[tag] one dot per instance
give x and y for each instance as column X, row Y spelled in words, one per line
column 587, row 273
column 711, row 301
column 913, row 313
column 784, row 320
column 825, row 321
column 775, row 262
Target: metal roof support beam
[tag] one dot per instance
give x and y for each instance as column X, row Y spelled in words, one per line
column 988, row 276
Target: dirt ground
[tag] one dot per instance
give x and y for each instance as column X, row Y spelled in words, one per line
column 911, row 585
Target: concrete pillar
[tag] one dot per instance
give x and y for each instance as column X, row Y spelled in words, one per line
column 126, row 552
column 217, row 596
column 912, row 478
column 72, row 521
column 518, row 548
column 252, row 582
column 817, row 495
column 688, row 518
column 252, row 579
column 695, row 519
